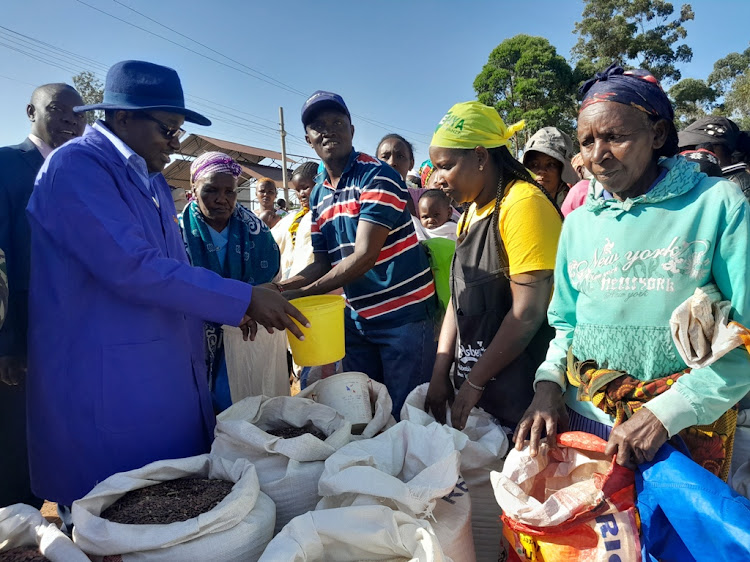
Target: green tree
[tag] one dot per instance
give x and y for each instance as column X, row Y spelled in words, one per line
column 692, row 99
column 91, row 90
column 731, row 79
column 525, row 78
column 642, row 33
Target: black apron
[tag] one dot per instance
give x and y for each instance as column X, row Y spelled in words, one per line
column 481, row 299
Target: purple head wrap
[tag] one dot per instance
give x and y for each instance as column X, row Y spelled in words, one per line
column 637, row 88
column 210, row 163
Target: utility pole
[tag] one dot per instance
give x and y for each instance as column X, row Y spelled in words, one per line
column 283, row 156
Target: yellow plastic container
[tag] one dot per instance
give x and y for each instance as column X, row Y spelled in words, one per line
column 324, row 339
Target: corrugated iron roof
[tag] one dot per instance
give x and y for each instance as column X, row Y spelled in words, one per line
column 195, row 145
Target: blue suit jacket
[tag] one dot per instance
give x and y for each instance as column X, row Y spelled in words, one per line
column 117, row 375
column 19, row 165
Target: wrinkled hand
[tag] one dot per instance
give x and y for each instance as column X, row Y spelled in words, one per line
column 546, row 411
column 12, row 370
column 466, row 399
column 439, row 393
column 270, row 309
column 637, row 440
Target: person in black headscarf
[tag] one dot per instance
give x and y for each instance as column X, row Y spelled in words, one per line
column 723, row 137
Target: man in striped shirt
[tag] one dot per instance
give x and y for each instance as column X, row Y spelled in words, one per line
column 364, row 241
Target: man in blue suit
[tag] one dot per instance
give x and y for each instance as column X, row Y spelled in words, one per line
column 53, row 123
column 117, row 373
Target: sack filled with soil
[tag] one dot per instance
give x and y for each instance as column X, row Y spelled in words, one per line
column 483, row 444
column 409, row 468
column 26, row 536
column 288, row 467
column 197, row 508
column 366, row 532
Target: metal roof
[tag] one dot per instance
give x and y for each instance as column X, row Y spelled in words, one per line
column 177, row 173
column 195, row 145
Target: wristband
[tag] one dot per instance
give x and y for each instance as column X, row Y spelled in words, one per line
column 475, row 387
column 278, row 285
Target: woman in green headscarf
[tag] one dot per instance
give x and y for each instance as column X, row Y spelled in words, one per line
column 494, row 330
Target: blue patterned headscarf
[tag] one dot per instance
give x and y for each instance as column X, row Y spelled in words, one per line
column 636, row 88
column 252, row 253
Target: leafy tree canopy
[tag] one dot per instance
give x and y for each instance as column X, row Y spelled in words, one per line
column 692, row 99
column 525, row 78
column 640, row 33
column 91, row 90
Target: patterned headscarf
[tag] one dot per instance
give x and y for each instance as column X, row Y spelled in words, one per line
column 210, row 163
column 637, row 88
column 425, row 171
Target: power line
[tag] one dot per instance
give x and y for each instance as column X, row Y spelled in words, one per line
column 251, row 69
column 249, row 72
column 279, row 85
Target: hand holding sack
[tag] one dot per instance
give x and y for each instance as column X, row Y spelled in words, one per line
column 238, row 528
column 22, row 525
column 483, row 444
column 288, row 469
column 568, row 504
column 355, row 533
column 411, row 469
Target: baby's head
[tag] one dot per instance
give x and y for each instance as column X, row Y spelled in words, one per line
column 434, row 209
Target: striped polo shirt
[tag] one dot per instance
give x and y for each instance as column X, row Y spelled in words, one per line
column 399, row 288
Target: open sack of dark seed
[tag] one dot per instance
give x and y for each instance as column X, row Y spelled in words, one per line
column 27, row 536
column 367, row 532
column 380, row 402
column 409, row 468
column 483, row 444
column 197, row 508
column 289, row 464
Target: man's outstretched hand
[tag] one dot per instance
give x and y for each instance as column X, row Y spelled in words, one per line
column 271, row 310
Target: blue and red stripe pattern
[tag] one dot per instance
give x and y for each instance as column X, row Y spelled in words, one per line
column 399, row 288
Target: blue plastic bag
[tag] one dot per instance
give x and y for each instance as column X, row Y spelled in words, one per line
column 687, row 513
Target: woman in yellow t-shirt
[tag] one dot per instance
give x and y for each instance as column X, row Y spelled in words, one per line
column 495, row 329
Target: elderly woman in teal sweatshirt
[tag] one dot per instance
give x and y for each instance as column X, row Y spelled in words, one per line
column 652, row 230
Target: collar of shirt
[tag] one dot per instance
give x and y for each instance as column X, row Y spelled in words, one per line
column 322, row 176
column 130, row 158
column 43, row 148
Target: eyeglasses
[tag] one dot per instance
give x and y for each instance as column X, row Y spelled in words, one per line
column 166, row 130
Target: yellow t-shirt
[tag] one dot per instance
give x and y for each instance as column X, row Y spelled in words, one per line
column 529, row 227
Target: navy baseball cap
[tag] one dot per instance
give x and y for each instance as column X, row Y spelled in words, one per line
column 322, row 100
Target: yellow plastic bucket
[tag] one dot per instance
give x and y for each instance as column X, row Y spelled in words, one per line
column 324, row 339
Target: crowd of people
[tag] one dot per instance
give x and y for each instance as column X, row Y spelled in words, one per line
column 540, row 289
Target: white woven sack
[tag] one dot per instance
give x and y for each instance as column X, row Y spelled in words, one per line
column 238, row 528
column 381, row 404
column 23, row 525
column 256, row 368
column 288, row 469
column 410, row 468
column 355, row 533
column 483, row 445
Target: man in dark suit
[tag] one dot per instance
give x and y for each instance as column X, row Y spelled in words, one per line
column 53, row 123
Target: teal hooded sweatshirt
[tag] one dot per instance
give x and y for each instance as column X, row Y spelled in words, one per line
column 624, row 266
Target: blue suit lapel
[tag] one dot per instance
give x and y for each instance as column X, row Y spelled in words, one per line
column 31, row 155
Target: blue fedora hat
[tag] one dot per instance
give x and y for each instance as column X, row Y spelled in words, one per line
column 134, row 85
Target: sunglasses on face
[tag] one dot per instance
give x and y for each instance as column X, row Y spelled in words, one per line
column 167, row 131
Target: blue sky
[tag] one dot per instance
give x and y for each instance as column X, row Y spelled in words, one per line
column 399, row 64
